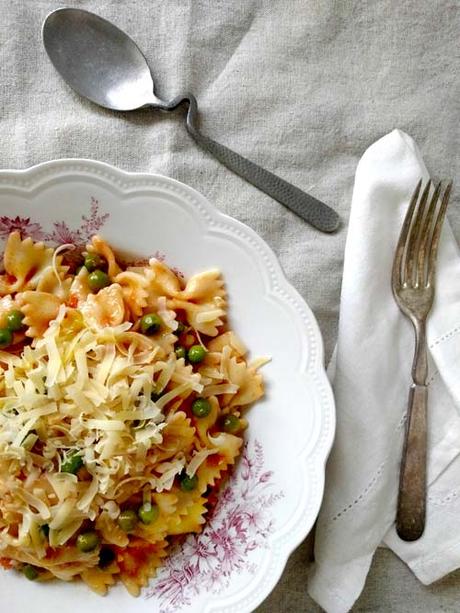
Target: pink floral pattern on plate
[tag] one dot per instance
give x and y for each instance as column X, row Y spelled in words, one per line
column 22, row 224
column 239, row 524
column 62, row 233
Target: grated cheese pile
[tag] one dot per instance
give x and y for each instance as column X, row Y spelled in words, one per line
column 113, row 442
column 87, row 392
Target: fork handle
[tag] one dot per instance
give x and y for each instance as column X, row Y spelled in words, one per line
column 410, row 518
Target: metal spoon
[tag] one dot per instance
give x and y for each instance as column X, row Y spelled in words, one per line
column 104, row 64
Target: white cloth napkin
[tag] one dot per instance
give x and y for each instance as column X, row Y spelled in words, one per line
column 371, row 377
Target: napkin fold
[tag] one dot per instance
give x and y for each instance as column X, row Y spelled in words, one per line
column 370, row 373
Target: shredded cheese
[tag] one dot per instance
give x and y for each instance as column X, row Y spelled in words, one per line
column 84, row 394
column 97, row 418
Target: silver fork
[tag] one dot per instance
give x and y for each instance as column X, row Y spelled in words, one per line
column 413, row 280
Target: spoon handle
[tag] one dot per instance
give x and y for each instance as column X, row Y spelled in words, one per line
column 307, row 207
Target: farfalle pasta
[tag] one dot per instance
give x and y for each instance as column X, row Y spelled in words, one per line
column 122, row 393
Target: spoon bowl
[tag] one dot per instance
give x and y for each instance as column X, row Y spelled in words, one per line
column 98, row 60
column 103, row 64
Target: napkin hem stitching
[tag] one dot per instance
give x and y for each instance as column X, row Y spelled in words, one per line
column 360, row 497
column 364, row 493
column 445, row 337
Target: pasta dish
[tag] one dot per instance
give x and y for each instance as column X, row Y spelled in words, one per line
column 122, row 397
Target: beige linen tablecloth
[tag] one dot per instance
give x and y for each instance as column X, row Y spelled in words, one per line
column 300, row 86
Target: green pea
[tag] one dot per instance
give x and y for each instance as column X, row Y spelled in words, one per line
column 180, row 352
column 87, row 541
column 150, row 323
column 106, row 557
column 201, row 407
column 97, row 280
column 188, row 484
column 30, row 572
column 14, row 320
column 148, row 513
column 6, row 337
column 180, row 329
column 231, row 423
column 127, row 520
column 72, row 464
column 196, row 354
column 93, row 261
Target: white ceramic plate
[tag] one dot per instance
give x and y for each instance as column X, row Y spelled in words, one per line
column 273, row 499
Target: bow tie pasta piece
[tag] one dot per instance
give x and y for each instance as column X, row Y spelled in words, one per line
column 106, row 308
column 139, row 563
column 205, row 318
column 248, row 380
column 167, row 315
column 228, row 339
column 134, row 288
column 239, row 383
column 178, row 435
column 79, row 288
column 228, row 448
column 192, row 520
column 99, row 580
column 100, row 247
column 188, row 504
column 24, row 261
column 162, row 280
column 203, row 287
column 39, row 309
column 183, row 373
column 203, row 302
column 52, row 283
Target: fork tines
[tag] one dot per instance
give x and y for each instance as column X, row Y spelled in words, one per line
column 415, row 257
